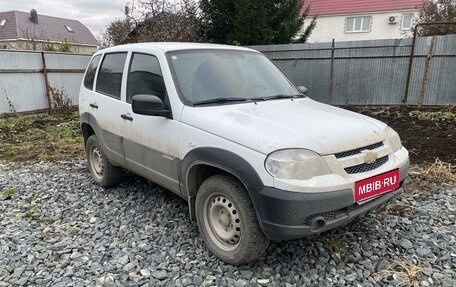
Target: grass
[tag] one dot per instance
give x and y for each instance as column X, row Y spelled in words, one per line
column 400, row 209
column 32, row 212
column 421, row 176
column 47, row 235
column 407, row 272
column 336, row 244
column 73, row 231
column 40, row 137
column 441, row 115
column 437, row 171
column 8, row 192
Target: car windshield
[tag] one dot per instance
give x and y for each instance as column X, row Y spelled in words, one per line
column 227, row 76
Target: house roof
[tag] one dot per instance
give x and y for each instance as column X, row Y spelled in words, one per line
column 330, row 7
column 19, row 25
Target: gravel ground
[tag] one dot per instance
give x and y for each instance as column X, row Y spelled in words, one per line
column 59, row 229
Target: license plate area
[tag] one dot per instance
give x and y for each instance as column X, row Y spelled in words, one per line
column 376, row 185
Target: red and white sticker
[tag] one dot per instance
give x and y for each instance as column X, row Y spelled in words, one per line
column 376, row 185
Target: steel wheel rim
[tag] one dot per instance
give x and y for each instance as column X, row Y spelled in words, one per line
column 96, row 162
column 223, row 223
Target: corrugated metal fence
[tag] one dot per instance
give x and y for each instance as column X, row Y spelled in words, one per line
column 341, row 73
column 372, row 72
column 23, row 86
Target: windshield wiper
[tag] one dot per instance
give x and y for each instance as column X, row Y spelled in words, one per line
column 279, row 96
column 218, row 100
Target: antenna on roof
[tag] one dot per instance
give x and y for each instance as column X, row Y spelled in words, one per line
column 34, row 16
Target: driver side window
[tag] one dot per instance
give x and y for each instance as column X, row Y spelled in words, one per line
column 145, row 77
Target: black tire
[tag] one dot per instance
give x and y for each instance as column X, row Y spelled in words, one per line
column 224, row 211
column 103, row 172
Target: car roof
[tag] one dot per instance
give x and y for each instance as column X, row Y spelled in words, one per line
column 173, row 46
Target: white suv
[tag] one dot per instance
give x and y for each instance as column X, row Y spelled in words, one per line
column 225, row 129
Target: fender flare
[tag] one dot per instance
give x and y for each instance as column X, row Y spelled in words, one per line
column 220, row 159
column 90, row 120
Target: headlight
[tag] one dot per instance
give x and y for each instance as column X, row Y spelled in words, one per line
column 393, row 138
column 295, row 164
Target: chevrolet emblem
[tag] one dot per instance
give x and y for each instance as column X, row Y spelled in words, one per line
column 369, row 156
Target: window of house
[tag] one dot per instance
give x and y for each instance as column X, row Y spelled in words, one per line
column 407, row 21
column 2, row 22
column 91, row 70
column 145, row 77
column 358, row 24
column 69, row 29
column 109, row 80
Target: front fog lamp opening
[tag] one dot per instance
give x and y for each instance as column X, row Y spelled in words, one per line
column 295, row 164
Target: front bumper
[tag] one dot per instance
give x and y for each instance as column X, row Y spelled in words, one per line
column 284, row 215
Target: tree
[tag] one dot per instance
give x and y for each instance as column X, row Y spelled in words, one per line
column 116, row 33
column 155, row 21
column 248, row 22
column 437, row 11
column 307, row 31
column 288, row 18
column 217, row 19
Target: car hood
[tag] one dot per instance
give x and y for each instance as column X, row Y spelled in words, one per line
column 280, row 124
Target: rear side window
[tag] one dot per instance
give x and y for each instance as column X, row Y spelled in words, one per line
column 90, row 73
column 109, row 80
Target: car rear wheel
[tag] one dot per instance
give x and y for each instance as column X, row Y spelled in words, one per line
column 227, row 221
column 103, row 172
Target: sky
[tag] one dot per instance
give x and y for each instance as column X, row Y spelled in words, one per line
column 95, row 14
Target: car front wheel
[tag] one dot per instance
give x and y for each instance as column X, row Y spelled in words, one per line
column 227, row 221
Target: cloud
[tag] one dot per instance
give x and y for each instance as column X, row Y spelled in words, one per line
column 96, row 15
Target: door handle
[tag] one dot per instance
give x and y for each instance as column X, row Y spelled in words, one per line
column 126, row 117
column 94, row 105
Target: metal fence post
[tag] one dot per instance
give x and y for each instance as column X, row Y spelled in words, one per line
column 331, row 73
column 412, row 53
column 427, row 64
column 409, row 71
column 46, row 82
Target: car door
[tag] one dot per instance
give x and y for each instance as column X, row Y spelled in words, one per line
column 107, row 103
column 151, row 145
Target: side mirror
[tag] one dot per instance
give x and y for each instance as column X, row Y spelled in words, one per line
column 303, row 90
column 149, row 105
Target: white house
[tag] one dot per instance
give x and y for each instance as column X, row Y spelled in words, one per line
column 350, row 20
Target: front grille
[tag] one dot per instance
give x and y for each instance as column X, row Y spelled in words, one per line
column 366, row 166
column 358, row 150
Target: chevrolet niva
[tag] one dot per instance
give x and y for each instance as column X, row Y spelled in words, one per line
column 225, row 129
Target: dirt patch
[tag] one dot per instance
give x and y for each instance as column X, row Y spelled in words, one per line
column 427, row 133
column 34, row 138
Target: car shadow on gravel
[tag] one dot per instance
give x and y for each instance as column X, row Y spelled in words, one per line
column 337, row 244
